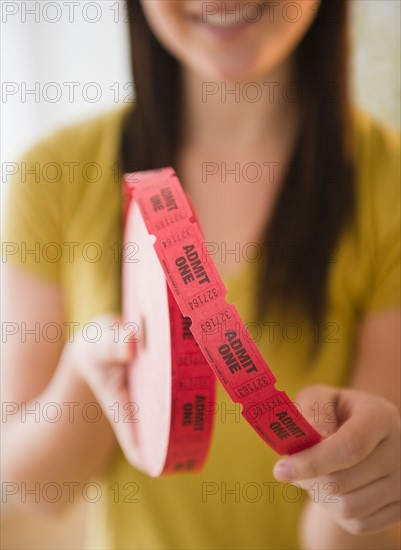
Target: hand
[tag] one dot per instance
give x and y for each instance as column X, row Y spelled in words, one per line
column 103, row 366
column 355, row 471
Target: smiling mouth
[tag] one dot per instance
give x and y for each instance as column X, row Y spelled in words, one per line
column 228, row 20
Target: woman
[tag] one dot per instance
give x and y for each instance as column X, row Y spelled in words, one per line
column 220, row 86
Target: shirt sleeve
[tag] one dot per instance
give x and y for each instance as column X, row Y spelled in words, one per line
column 385, row 220
column 386, row 290
column 32, row 226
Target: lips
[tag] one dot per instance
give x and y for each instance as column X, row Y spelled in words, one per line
column 226, row 23
column 223, row 17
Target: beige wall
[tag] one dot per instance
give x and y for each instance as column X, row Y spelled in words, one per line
column 376, row 58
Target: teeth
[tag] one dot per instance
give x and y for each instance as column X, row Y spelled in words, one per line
column 224, row 19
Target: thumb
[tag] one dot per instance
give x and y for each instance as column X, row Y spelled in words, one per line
column 319, row 405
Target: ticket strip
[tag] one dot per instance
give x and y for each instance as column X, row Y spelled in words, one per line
column 221, row 335
column 170, row 381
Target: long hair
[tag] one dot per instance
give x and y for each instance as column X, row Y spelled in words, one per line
column 316, row 200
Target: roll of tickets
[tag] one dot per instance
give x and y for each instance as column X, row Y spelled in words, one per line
column 170, row 381
column 216, row 325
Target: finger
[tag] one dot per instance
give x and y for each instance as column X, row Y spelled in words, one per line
column 113, row 352
column 359, row 475
column 122, row 413
column 124, row 424
column 364, row 427
column 366, row 472
column 356, row 504
column 369, row 499
column 380, row 520
column 104, row 362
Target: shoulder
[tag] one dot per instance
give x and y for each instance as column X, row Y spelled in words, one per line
column 92, row 139
column 377, row 156
column 54, row 175
column 371, row 130
column 372, row 246
column 59, row 170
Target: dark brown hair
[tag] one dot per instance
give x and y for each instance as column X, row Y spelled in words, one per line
column 317, row 197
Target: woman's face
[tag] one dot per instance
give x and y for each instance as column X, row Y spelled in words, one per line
column 237, row 40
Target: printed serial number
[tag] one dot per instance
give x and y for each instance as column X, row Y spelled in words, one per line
column 216, row 321
column 177, row 238
column 203, row 298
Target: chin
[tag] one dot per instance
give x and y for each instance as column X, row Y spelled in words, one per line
column 236, row 70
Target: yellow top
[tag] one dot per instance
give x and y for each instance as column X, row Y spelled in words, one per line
column 68, row 212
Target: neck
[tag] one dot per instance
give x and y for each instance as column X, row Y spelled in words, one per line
column 246, row 115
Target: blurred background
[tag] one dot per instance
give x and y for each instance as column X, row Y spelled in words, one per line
column 62, row 63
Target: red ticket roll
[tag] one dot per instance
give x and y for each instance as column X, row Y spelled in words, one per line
column 196, row 286
column 170, row 381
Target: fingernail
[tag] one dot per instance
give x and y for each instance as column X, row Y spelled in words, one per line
column 283, row 471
